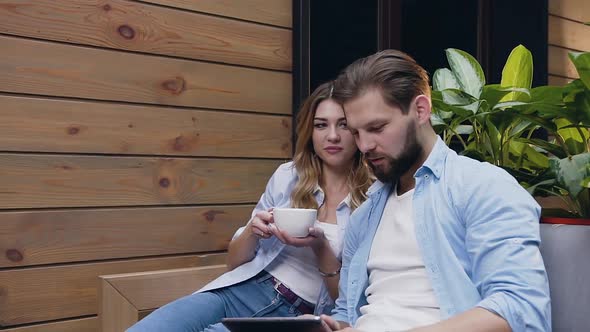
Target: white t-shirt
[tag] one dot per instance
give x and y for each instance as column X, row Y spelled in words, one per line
column 297, row 268
column 400, row 294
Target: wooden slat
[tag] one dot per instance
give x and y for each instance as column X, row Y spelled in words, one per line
column 568, row 34
column 73, row 325
column 46, row 293
column 560, row 64
column 49, row 125
column 558, row 80
column 72, row 71
column 47, row 237
column 577, row 10
column 33, row 181
column 147, row 28
column 275, row 12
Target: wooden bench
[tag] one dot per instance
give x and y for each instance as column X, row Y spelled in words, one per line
column 127, row 298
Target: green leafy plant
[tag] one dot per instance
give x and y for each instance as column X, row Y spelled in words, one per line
column 496, row 123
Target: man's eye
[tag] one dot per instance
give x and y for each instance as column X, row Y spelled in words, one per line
column 376, row 129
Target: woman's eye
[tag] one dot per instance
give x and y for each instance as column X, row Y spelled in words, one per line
column 319, row 125
column 343, row 125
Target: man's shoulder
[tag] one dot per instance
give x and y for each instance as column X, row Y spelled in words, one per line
column 465, row 169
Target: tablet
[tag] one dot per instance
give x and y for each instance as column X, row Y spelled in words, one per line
column 274, row 324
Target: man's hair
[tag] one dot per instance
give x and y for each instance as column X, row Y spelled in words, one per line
column 395, row 74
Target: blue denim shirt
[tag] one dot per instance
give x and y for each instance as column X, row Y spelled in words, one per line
column 478, row 232
column 278, row 194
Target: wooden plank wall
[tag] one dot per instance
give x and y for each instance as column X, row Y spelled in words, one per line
column 136, row 136
column 566, row 33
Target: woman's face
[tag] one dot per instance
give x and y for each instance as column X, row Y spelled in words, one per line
column 332, row 141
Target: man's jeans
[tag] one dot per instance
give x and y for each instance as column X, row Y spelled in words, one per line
column 255, row 297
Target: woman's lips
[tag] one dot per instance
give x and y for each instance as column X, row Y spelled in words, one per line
column 333, row 149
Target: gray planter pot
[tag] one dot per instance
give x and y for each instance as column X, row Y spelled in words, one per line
column 566, row 252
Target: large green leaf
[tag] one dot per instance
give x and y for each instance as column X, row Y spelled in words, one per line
column 493, row 93
column 526, row 156
column 518, row 73
column 547, row 101
column 444, row 79
column 457, row 97
column 467, row 71
column 554, row 149
column 581, row 61
column 572, row 172
column 576, row 139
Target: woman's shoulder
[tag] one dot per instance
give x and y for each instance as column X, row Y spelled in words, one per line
column 286, row 171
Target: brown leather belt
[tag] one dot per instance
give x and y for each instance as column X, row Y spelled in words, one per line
column 291, row 297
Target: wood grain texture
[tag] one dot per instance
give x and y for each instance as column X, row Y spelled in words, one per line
column 275, row 12
column 33, row 181
column 127, row 298
column 50, row 125
column 557, row 80
column 577, row 10
column 47, row 237
column 74, row 325
column 146, row 28
column 116, row 313
column 72, row 71
column 47, row 293
column 560, row 64
column 568, row 34
column 152, row 289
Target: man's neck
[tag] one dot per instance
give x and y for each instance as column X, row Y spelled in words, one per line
column 406, row 181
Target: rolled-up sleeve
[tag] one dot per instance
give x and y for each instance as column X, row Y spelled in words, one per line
column 502, row 239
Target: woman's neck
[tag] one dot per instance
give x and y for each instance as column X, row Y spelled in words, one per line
column 334, row 179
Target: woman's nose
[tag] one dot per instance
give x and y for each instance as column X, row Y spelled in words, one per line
column 333, row 135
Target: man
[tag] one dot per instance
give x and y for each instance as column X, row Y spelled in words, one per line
column 444, row 242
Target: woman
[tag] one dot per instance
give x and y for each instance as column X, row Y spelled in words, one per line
column 271, row 273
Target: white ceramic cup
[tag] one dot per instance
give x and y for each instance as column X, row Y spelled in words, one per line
column 294, row 222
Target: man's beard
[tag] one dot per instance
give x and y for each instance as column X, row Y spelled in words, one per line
column 394, row 168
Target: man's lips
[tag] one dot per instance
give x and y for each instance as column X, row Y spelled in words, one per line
column 376, row 161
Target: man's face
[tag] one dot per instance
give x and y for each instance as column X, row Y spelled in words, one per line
column 384, row 134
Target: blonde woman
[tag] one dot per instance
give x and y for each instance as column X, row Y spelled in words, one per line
column 270, row 273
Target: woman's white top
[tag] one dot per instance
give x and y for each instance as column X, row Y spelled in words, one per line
column 297, row 268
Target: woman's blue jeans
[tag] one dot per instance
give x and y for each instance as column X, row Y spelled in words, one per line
column 255, row 297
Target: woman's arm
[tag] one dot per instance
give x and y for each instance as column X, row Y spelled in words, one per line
column 329, row 266
column 242, row 249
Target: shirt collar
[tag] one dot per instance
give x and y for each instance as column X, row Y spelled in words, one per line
column 318, row 192
column 434, row 163
column 435, row 160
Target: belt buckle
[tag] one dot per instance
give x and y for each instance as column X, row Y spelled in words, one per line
column 276, row 283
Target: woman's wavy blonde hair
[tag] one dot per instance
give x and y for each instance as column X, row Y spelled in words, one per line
column 309, row 165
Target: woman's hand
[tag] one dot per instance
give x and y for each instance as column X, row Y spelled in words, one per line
column 260, row 224
column 315, row 239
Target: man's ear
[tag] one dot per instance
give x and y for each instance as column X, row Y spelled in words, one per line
column 423, row 108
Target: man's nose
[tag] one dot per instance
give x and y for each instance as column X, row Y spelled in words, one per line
column 364, row 144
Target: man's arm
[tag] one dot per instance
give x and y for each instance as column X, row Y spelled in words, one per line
column 477, row 319
column 502, row 240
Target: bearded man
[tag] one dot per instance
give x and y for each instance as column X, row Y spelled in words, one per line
column 444, row 242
